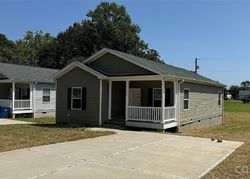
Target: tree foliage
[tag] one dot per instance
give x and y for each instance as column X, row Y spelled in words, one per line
column 107, row 26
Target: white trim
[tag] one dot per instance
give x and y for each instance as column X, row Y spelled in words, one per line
column 77, row 64
column 110, row 100
column 34, row 100
column 13, row 96
column 186, row 89
column 31, row 95
column 153, row 96
column 176, row 98
column 76, row 98
column 179, row 105
column 100, row 103
column 127, row 100
column 46, row 102
column 163, row 89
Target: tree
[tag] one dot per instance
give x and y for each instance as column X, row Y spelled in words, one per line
column 245, row 85
column 32, row 43
column 234, row 91
column 110, row 26
column 7, row 50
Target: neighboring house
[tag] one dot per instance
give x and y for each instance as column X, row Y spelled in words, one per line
column 27, row 90
column 244, row 95
column 112, row 85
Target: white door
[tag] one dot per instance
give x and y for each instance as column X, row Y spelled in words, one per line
column 134, row 97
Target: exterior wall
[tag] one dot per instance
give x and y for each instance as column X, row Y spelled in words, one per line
column 78, row 78
column 105, row 93
column 146, row 87
column 203, row 109
column 44, row 108
column 118, row 99
column 112, row 65
column 5, row 90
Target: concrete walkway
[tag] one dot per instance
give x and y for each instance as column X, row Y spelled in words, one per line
column 123, row 155
column 10, row 121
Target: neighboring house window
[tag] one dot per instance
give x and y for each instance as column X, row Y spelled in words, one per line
column 219, row 98
column 186, row 99
column 46, row 95
column 157, row 97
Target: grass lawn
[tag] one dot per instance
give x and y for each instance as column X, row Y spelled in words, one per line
column 236, row 106
column 237, row 128
column 45, row 131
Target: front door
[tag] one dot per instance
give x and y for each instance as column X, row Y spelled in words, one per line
column 135, row 97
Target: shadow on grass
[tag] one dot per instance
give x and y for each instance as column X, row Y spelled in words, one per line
column 59, row 126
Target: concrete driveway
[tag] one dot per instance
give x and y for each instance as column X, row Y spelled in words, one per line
column 124, row 155
column 4, row 121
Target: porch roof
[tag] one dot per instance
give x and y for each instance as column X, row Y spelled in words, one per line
column 26, row 73
column 156, row 67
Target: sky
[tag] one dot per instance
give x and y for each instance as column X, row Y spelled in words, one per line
column 215, row 32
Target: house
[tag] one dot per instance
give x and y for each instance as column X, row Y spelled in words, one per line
column 116, row 86
column 27, row 90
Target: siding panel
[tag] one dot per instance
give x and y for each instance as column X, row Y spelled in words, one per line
column 78, row 78
column 112, row 65
column 203, row 105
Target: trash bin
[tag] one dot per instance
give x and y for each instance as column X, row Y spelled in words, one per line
column 4, row 112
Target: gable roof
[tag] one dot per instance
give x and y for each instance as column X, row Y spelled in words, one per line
column 156, row 67
column 72, row 65
column 27, row 73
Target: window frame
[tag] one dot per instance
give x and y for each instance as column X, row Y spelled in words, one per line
column 219, row 100
column 49, row 95
column 72, row 98
column 153, row 96
column 184, row 99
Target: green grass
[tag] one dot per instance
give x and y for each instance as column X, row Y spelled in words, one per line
column 236, row 106
column 44, row 120
column 43, row 131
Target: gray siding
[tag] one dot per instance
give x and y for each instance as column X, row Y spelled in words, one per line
column 78, row 78
column 45, row 107
column 105, row 93
column 113, row 65
column 203, row 105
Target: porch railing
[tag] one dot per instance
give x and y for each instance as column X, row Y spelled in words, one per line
column 150, row 114
column 169, row 113
column 18, row 104
column 22, row 104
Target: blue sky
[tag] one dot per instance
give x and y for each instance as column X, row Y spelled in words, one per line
column 217, row 32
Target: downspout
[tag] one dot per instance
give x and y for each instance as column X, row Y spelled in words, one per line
column 179, row 105
column 34, row 99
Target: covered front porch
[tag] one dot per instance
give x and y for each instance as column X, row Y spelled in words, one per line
column 144, row 103
column 17, row 96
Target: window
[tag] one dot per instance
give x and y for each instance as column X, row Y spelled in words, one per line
column 46, row 95
column 186, row 99
column 157, row 97
column 76, row 98
column 219, row 98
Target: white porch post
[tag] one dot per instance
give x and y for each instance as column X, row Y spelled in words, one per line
column 110, row 100
column 13, row 96
column 127, row 95
column 176, row 98
column 100, row 104
column 31, row 95
column 163, row 99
